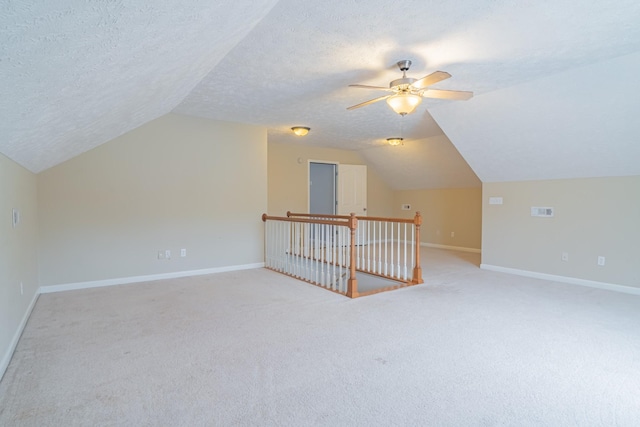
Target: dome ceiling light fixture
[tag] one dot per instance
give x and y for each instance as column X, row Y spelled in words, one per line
column 300, row 130
column 407, row 92
column 395, row 141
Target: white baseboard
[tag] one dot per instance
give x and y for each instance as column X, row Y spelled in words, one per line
column 16, row 337
column 563, row 279
column 451, row 248
column 148, row 278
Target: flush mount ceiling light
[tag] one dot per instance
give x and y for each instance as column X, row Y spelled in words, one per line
column 395, row 141
column 300, row 130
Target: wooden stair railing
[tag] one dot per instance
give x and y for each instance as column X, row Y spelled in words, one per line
column 302, row 248
column 318, row 248
column 364, row 234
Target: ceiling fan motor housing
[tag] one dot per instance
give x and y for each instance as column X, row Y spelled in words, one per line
column 402, row 84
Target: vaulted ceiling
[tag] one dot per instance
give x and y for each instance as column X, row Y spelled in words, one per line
column 555, row 82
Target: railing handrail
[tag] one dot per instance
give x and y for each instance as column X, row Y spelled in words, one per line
column 266, row 217
column 294, row 214
column 351, row 222
column 416, row 220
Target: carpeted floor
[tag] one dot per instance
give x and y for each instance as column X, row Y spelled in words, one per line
column 469, row 347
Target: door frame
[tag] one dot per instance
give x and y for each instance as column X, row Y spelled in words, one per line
column 335, row 183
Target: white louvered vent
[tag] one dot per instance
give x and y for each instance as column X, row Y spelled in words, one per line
column 546, row 212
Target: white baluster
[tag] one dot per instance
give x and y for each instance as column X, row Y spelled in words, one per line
column 273, row 242
column 357, row 260
column 399, row 239
column 293, row 249
column 276, row 240
column 405, row 251
column 379, row 270
column 324, row 255
column 284, row 228
column 339, row 230
column 300, row 256
column 266, row 243
column 315, row 253
column 390, row 245
column 281, row 235
column 294, row 258
column 385, row 247
column 370, row 248
column 306, row 251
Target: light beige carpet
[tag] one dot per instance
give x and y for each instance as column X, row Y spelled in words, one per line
column 469, row 347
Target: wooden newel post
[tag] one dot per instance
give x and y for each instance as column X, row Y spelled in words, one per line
column 417, row 270
column 352, row 283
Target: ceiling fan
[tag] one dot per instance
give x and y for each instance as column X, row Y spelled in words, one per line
column 407, row 93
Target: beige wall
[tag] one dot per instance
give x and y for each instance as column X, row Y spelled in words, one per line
column 593, row 217
column 445, row 210
column 18, row 252
column 176, row 182
column 288, row 170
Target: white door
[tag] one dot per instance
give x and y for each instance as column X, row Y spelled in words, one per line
column 352, row 189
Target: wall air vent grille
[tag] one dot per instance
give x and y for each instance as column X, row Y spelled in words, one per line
column 545, row 212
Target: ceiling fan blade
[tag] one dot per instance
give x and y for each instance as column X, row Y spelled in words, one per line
column 459, row 95
column 433, row 78
column 371, row 101
column 372, row 87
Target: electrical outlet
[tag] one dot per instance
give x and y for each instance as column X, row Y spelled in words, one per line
column 601, row 260
column 160, row 254
column 453, row 234
column 183, row 252
column 167, row 254
column 565, row 256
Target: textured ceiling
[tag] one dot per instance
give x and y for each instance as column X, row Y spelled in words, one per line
column 76, row 74
column 548, row 77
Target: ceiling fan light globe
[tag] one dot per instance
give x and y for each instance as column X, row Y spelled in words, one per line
column 404, row 103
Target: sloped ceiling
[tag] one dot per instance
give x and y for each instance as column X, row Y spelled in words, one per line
column 578, row 123
column 76, row 74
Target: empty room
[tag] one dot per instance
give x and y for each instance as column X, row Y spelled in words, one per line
column 336, row 213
